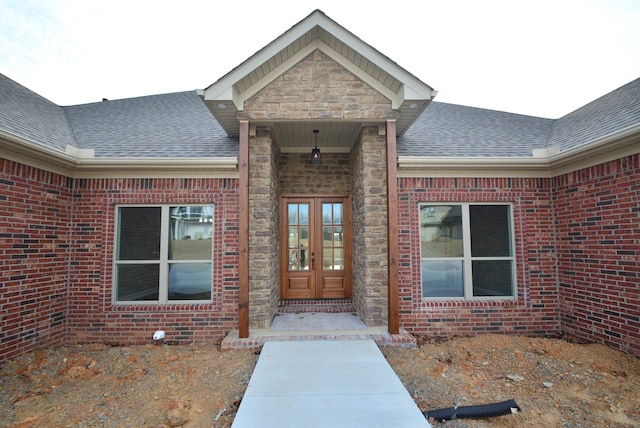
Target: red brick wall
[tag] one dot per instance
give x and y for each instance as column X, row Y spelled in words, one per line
column 56, row 252
column 34, row 256
column 534, row 311
column 598, row 225
column 91, row 314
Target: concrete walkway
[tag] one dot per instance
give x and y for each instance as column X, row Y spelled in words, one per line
column 329, row 384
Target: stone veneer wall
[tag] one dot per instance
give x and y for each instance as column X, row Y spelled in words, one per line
column 264, row 220
column 297, row 175
column 370, row 258
column 317, row 88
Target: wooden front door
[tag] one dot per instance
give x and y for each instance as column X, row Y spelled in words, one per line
column 315, row 247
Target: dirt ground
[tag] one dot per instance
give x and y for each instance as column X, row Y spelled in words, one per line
column 556, row 383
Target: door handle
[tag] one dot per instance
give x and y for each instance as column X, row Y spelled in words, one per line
column 313, row 261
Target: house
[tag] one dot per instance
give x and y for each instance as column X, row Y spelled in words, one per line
column 200, row 211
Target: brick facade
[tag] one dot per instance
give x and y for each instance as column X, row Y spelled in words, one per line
column 57, row 250
column 576, row 237
column 35, row 212
column 535, row 309
column 576, row 253
column 91, row 314
column 597, row 212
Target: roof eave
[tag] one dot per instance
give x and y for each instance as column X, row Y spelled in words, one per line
column 443, row 166
column 614, row 146
column 80, row 163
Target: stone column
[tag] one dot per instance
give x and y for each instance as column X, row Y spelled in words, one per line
column 263, row 229
column 370, row 278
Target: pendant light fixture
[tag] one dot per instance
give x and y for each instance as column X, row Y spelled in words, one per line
column 315, row 152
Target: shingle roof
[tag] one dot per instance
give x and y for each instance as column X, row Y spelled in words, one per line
column 168, row 125
column 180, row 125
column 610, row 113
column 28, row 115
column 454, row 130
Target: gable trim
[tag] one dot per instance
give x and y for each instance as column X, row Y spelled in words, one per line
column 225, row 97
column 239, row 99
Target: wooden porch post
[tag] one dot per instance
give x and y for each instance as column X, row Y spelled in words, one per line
column 243, row 280
column 392, row 223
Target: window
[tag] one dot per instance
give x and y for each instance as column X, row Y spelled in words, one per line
column 163, row 254
column 466, row 251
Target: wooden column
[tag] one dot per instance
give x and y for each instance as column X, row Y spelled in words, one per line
column 392, row 222
column 243, row 280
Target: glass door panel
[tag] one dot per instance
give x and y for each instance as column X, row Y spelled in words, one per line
column 298, row 237
column 332, row 237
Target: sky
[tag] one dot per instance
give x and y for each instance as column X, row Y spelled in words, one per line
column 542, row 58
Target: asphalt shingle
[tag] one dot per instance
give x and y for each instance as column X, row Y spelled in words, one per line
column 180, row 125
column 608, row 114
column 28, row 115
column 167, row 125
column 453, row 130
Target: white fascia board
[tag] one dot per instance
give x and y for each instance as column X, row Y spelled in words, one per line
column 412, row 83
column 610, row 147
column 409, row 93
column 424, row 166
column 413, row 88
column 218, row 93
column 28, row 152
column 361, row 74
column 208, row 163
column 210, row 167
column 78, row 163
column 239, row 99
column 614, row 146
column 79, row 153
column 223, row 87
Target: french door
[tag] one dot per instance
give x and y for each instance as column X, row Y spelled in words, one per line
column 315, row 247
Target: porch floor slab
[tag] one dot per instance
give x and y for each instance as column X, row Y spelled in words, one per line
column 317, row 321
column 342, row 383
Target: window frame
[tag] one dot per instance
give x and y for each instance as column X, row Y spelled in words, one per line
column 164, row 262
column 467, row 258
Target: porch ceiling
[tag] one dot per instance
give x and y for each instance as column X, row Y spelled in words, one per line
column 226, row 97
column 298, row 137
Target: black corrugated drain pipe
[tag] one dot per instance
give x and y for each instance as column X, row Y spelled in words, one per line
column 481, row 411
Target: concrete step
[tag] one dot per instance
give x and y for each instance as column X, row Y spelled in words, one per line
column 258, row 337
